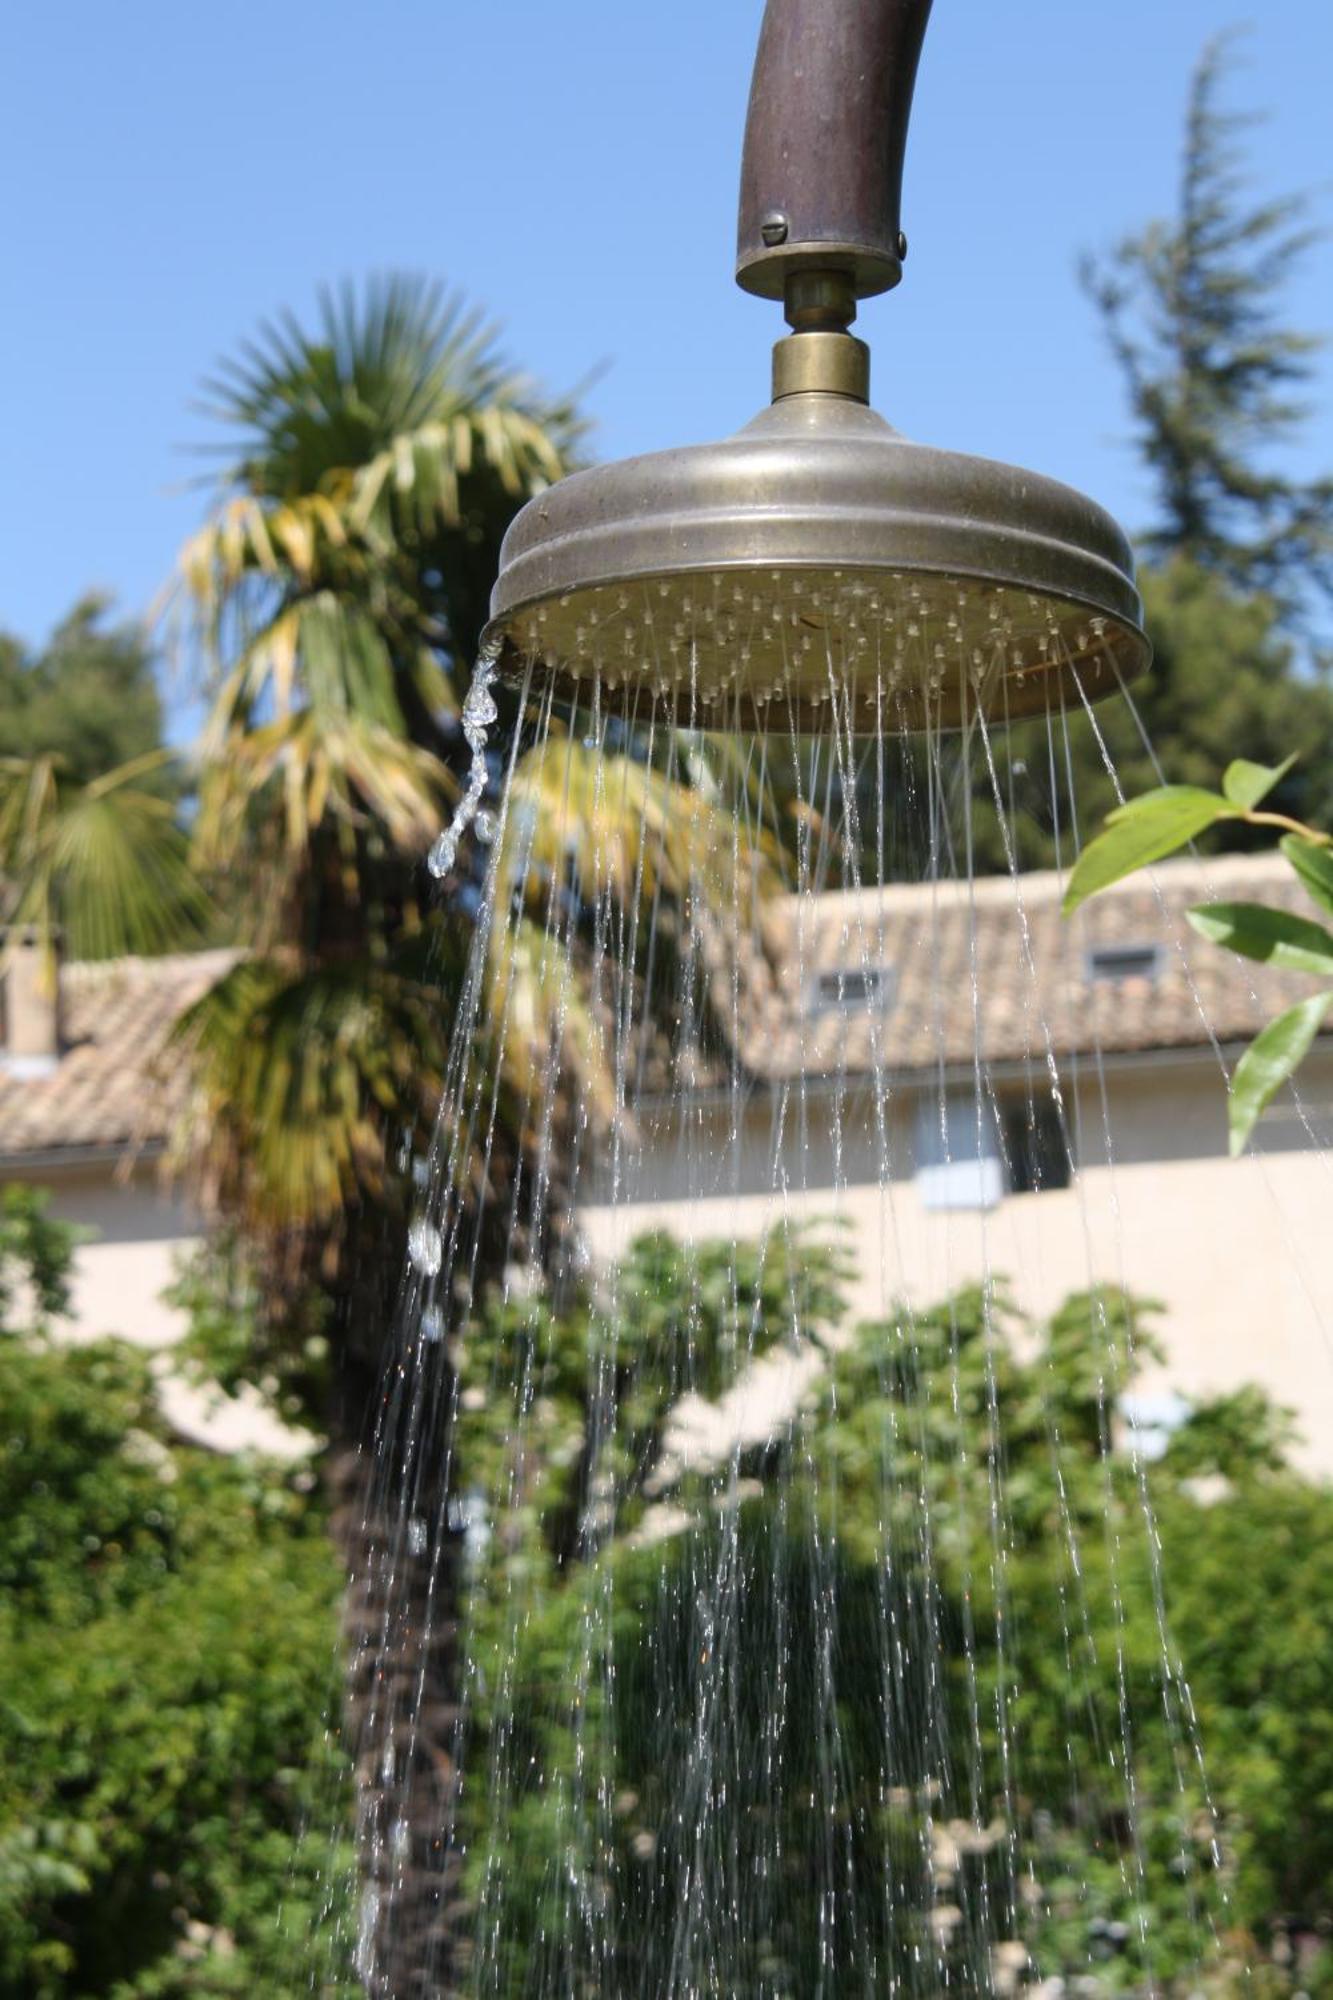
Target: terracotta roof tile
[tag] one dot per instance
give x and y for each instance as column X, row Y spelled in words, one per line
column 110, row 1090
column 1034, row 990
column 1035, row 984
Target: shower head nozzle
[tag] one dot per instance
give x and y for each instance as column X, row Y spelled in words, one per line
column 818, row 550
column 818, row 556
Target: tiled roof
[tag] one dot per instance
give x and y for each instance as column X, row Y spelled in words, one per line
column 110, row 1090
column 1035, row 992
column 1035, row 989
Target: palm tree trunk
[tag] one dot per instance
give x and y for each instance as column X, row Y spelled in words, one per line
column 401, row 1719
column 394, row 1488
column 388, row 1474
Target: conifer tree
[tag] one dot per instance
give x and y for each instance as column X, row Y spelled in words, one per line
column 1193, row 311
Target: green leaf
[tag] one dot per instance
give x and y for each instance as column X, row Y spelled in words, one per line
column 1314, row 865
column 1142, row 832
column 1248, row 785
column 1270, row 1059
column 1275, row 937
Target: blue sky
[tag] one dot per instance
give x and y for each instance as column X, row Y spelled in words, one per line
column 174, row 172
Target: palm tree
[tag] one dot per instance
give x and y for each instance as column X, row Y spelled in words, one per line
column 99, row 865
column 335, row 601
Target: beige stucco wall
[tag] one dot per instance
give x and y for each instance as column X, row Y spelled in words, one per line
column 1239, row 1252
column 138, row 1237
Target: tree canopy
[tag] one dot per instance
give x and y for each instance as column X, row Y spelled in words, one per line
column 88, row 698
column 1193, row 310
column 926, row 1617
column 168, row 1661
column 172, row 1811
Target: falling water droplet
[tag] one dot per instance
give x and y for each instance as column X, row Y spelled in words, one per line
column 425, row 1247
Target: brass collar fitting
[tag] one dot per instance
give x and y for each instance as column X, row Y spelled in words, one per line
column 821, row 364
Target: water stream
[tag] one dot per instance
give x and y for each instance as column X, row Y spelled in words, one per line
column 479, row 712
column 768, row 1563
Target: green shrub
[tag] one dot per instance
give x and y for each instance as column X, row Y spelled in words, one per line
column 168, row 1657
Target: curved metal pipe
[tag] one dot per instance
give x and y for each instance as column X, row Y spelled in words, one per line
column 821, row 180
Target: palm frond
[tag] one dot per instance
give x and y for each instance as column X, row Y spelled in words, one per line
column 297, row 1074
column 315, row 766
column 29, row 797
column 246, row 537
column 380, row 365
column 105, row 866
column 549, row 1040
column 418, row 479
column 379, row 458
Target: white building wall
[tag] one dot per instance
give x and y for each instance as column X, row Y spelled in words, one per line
column 1240, row 1253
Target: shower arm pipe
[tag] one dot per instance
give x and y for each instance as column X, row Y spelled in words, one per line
column 821, row 179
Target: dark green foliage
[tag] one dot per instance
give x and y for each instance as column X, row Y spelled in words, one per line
column 88, row 698
column 1224, row 682
column 35, row 1256
column 91, row 845
column 1161, row 822
column 1223, row 678
column 1250, row 1589
column 672, row 1320
column 168, row 1656
column 231, row 1341
column 948, row 1569
column 562, row 1433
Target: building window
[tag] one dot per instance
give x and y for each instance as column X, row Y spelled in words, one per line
column 971, row 1153
column 857, row 989
column 958, row 1162
column 1036, row 1151
column 1113, row 964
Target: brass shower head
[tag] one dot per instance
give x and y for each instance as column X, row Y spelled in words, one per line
column 818, row 555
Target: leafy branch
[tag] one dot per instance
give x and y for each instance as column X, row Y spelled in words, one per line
column 1160, row 823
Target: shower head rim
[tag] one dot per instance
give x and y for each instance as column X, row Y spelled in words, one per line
column 816, row 485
